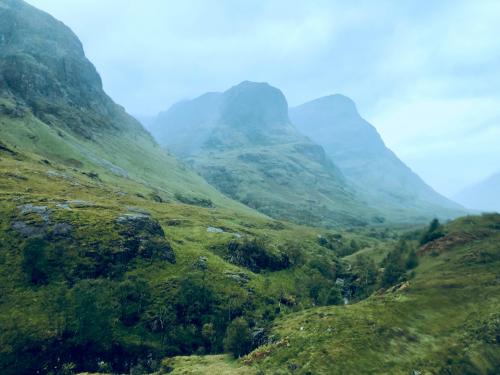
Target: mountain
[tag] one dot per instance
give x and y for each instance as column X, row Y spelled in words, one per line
column 242, row 142
column 52, row 105
column 113, row 254
column 484, row 196
column 358, row 150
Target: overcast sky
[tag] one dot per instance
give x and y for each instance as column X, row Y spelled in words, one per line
column 426, row 73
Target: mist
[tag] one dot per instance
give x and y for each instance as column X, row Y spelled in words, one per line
column 426, row 74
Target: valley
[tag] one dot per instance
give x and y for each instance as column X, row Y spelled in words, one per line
column 240, row 237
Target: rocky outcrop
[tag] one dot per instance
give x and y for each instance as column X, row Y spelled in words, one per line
column 143, row 236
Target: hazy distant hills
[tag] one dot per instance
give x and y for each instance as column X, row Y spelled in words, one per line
column 314, row 163
column 242, row 142
column 358, row 150
column 52, row 105
column 484, row 196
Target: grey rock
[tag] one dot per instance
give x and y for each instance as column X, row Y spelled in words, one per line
column 80, row 204
column 214, row 230
column 132, row 218
column 239, row 277
column 138, row 210
column 27, row 230
column 43, row 211
column 62, row 229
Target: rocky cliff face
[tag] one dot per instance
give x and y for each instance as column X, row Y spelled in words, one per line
column 43, row 68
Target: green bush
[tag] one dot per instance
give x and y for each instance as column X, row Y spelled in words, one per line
column 238, row 340
column 433, row 232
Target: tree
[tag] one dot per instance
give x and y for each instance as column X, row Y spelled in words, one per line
column 133, row 295
column 332, row 296
column 366, row 273
column 94, row 311
column 209, row 336
column 34, row 262
column 393, row 273
column 412, row 260
column 238, row 340
column 433, row 232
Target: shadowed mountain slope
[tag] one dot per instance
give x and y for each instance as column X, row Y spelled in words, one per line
column 360, row 153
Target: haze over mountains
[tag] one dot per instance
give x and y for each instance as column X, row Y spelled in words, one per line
column 117, row 258
column 358, row 150
column 243, row 143
column 483, row 196
column 244, row 137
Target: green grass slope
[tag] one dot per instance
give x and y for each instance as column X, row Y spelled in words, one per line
column 444, row 320
column 95, row 276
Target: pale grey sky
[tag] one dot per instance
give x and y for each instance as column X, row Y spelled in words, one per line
column 426, row 73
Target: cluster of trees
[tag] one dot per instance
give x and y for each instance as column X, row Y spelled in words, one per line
column 340, row 245
column 254, row 255
column 124, row 321
column 396, row 264
column 433, row 232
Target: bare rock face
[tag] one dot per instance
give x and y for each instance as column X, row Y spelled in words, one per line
column 43, row 69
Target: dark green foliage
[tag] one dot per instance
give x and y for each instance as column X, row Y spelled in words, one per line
column 238, row 339
column 133, row 296
column 331, row 297
column 94, row 311
column 194, row 303
column 340, row 245
column 393, row 272
column 396, row 264
column 196, row 201
column 253, row 254
column 432, row 233
column 35, row 263
column 365, row 272
column 412, row 260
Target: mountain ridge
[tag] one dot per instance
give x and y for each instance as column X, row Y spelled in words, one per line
column 360, row 152
column 250, row 150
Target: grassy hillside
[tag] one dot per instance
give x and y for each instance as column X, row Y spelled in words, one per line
column 444, row 319
column 96, row 271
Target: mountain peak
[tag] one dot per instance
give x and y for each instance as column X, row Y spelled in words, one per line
column 254, row 104
column 336, row 104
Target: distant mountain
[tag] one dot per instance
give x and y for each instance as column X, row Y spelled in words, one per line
column 484, row 196
column 53, row 107
column 242, row 142
column 360, row 153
